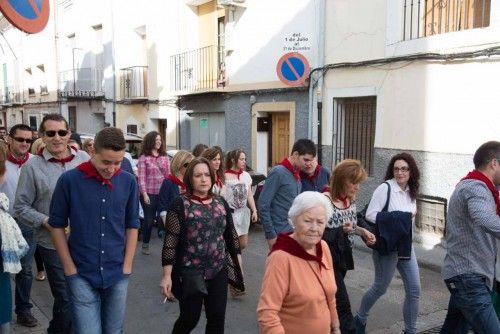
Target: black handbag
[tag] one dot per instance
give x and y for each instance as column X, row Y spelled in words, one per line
column 193, row 283
column 372, row 227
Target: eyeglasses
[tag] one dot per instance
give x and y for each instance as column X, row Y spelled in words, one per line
column 401, row 169
column 22, row 140
column 52, row 133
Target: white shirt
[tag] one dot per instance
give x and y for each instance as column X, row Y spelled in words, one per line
column 400, row 200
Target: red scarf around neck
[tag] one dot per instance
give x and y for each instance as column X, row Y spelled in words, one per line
column 17, row 161
column 288, row 244
column 91, row 172
column 218, row 181
column 200, row 199
column 477, row 175
column 312, row 176
column 235, row 172
column 288, row 165
column 344, row 201
column 178, row 182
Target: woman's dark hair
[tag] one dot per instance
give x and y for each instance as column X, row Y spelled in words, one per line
column 188, row 176
column 414, row 181
column 232, row 157
column 210, row 154
column 148, row 144
column 199, row 149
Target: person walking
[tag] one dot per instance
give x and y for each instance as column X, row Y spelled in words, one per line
column 281, row 187
column 173, row 185
column 315, row 177
column 298, row 288
column 402, row 186
column 201, row 252
column 153, row 167
column 473, row 226
column 31, row 207
column 19, row 141
column 13, row 249
column 97, row 256
column 340, row 230
column 214, row 156
column 238, row 194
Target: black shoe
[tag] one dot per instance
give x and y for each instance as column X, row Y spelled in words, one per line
column 360, row 327
column 27, row 320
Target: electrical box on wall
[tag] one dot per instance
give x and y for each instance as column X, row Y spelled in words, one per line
column 263, row 124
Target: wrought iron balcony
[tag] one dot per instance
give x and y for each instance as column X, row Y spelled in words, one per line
column 10, row 95
column 134, row 83
column 198, row 70
column 81, row 83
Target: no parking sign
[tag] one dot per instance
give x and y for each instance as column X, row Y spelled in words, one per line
column 30, row 16
column 293, row 69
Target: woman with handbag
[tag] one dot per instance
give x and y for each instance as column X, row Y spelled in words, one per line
column 201, row 252
column 340, row 230
column 402, row 177
column 298, row 289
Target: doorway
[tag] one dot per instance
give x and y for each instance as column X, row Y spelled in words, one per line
column 280, row 138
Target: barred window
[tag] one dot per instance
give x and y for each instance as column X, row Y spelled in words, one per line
column 354, row 130
column 431, row 215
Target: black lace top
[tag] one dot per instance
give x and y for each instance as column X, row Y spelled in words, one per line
column 203, row 236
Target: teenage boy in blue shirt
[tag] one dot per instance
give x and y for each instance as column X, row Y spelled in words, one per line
column 101, row 204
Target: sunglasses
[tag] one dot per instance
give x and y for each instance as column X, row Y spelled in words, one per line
column 22, row 140
column 52, row 133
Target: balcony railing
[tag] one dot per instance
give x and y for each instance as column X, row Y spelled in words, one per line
column 197, row 70
column 134, row 83
column 81, row 83
column 422, row 18
column 10, row 95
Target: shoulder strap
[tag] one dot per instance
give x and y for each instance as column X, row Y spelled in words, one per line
column 386, row 206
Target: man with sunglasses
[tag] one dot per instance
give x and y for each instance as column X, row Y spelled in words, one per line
column 19, row 141
column 34, row 192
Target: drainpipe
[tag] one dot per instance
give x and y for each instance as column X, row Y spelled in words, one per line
column 314, row 120
column 113, row 65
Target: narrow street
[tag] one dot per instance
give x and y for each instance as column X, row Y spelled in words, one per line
column 146, row 312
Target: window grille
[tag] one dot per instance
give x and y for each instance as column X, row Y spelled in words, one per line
column 354, row 130
column 431, row 214
column 422, row 18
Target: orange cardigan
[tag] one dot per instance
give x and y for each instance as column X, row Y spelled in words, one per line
column 292, row 300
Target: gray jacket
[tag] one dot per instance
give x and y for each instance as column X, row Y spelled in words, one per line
column 472, row 227
column 34, row 191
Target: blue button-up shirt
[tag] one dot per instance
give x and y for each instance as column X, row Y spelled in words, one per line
column 98, row 218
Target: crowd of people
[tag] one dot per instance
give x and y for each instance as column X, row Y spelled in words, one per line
column 203, row 205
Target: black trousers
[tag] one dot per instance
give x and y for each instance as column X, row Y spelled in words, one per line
column 343, row 304
column 215, row 307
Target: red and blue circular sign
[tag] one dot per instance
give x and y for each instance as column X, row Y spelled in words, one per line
column 293, row 69
column 30, row 16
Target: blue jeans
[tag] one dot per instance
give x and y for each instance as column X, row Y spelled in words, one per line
column 95, row 310
column 24, row 278
column 150, row 213
column 470, row 305
column 61, row 310
column 385, row 267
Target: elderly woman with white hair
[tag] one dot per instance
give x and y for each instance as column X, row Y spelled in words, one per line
column 298, row 289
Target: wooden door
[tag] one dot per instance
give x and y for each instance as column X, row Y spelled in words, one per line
column 280, row 136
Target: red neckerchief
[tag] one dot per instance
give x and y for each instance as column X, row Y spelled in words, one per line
column 91, row 172
column 235, row 172
column 63, row 160
column 17, row 161
column 326, row 189
column 343, row 200
column 199, row 199
column 287, row 164
column 218, row 181
column 312, row 176
column 288, row 244
column 477, row 175
column 177, row 181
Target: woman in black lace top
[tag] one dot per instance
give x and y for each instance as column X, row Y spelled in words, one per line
column 201, row 252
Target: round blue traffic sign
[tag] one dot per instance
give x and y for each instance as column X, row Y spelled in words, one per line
column 30, row 16
column 293, row 69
